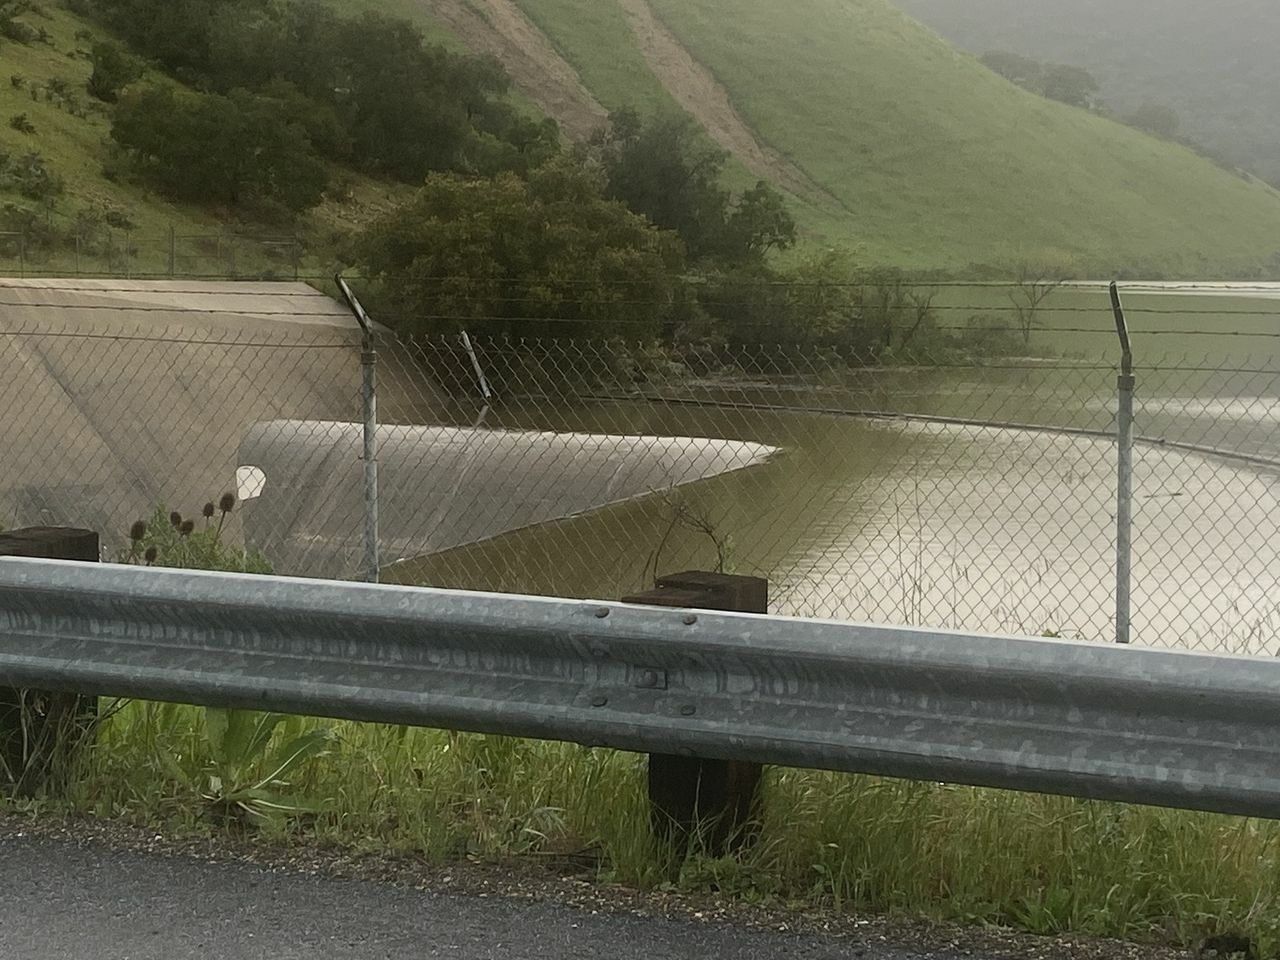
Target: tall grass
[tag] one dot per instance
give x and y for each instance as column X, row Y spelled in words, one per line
column 848, row 843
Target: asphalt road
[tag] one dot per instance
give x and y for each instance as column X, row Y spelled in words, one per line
column 63, row 901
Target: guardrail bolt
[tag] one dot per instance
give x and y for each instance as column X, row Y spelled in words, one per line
column 40, row 730
column 650, row 678
column 689, row 796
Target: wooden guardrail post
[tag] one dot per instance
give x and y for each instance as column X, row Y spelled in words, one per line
column 692, row 794
column 39, row 729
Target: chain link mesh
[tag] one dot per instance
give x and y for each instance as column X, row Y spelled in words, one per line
column 930, row 490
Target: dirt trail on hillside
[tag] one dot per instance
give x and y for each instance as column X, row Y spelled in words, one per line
column 697, row 90
column 499, row 28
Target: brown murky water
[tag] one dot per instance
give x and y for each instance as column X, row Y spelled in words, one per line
column 941, row 524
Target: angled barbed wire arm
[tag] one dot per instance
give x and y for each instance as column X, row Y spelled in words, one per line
column 1125, row 386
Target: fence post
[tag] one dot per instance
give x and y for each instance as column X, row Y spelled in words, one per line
column 688, row 794
column 369, row 402
column 173, row 251
column 1125, row 386
column 39, row 729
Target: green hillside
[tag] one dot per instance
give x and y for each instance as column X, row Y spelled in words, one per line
column 922, row 156
column 1215, row 65
column 123, row 227
column 886, row 139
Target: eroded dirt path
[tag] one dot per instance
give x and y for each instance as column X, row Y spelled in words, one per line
column 697, row 90
column 500, row 28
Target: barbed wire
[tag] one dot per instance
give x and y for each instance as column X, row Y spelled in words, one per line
column 1216, row 287
column 922, row 356
column 619, row 323
column 336, row 312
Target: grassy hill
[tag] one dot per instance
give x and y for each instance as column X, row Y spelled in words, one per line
column 885, row 138
column 913, row 151
column 123, row 227
column 1214, row 63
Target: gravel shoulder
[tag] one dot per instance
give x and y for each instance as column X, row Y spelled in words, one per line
column 85, row 888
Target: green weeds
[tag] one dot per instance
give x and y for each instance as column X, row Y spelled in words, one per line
column 838, row 842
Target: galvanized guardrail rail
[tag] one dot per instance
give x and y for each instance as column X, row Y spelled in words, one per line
column 1136, row 725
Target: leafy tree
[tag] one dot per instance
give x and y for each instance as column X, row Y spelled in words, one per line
column 547, row 255
column 751, row 306
column 234, row 150
column 174, row 33
column 113, row 69
column 325, row 129
column 825, row 301
column 1067, row 84
column 1024, row 71
column 868, row 314
column 1074, row 86
column 666, row 170
column 395, row 99
column 758, row 223
column 1156, row 119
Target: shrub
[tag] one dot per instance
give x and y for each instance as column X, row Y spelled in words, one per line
column 212, row 149
column 113, row 70
column 30, row 176
column 17, row 31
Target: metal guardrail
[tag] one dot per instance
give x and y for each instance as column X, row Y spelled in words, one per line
column 1136, row 725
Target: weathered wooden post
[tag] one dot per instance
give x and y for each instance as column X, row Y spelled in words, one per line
column 688, row 794
column 39, row 729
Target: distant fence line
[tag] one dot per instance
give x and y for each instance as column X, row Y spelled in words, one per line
column 104, row 251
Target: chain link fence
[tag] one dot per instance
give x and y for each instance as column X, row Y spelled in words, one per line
column 932, row 490
column 43, row 244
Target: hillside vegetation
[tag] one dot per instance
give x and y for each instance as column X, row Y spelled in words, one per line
column 885, row 141
column 920, row 156
column 73, row 207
